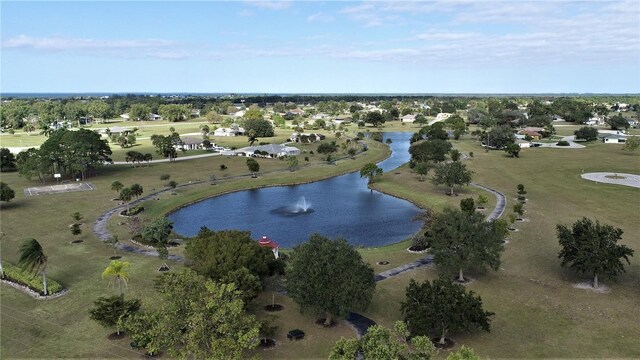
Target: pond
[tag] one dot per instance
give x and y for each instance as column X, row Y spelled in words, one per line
column 342, row 206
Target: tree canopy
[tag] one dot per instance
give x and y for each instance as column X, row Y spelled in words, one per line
column 194, row 318
column 587, row 133
column 7, row 160
column 263, row 128
column 374, row 118
column 370, row 171
column 430, row 150
column 231, row 256
column 6, row 193
column 451, row 174
column 591, row 248
column 111, row 311
column 329, row 276
column 463, row 239
column 441, row 307
column 382, row 343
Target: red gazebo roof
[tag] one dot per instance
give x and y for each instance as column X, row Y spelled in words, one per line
column 266, row 242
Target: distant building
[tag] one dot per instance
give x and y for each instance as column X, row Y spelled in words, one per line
column 409, row 118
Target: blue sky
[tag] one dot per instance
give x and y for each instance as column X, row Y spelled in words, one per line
column 315, row 47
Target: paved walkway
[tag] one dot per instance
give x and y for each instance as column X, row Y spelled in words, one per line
column 570, row 139
column 360, row 322
column 601, row 177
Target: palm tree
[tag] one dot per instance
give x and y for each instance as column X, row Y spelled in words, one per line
column 126, row 195
column 117, row 186
column 33, row 259
column 136, row 190
column 117, row 270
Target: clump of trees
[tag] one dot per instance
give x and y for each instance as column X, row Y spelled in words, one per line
column 262, row 128
column 586, row 133
column 451, row 174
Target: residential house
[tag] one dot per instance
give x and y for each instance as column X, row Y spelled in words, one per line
column 305, row 137
column 125, row 116
column 595, row 120
column 409, row 118
column 523, row 143
column 268, row 243
column 154, row 117
column 533, row 134
column 271, row 150
column 613, row 138
column 195, row 113
column 239, row 113
column 295, row 112
column 232, row 131
column 320, row 116
column 189, row 143
column 345, row 119
column 443, row 116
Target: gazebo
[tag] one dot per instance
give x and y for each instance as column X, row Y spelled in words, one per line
column 266, row 242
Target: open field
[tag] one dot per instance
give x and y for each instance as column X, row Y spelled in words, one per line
column 538, row 312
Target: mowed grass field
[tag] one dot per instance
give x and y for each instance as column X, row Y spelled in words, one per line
column 538, row 312
column 61, row 327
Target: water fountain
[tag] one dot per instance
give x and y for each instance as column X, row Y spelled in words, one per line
column 301, row 207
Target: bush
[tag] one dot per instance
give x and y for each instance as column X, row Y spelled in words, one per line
column 223, row 167
column 34, row 282
column 586, row 133
column 563, row 143
column 165, row 177
column 172, row 184
column 133, row 211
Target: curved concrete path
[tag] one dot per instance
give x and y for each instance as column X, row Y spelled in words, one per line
column 601, row 177
column 362, row 323
column 359, row 322
column 570, row 139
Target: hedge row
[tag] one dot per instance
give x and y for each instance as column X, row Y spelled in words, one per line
column 34, row 282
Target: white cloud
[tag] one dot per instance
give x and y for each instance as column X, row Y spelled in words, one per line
column 320, row 17
column 271, row 5
column 153, row 48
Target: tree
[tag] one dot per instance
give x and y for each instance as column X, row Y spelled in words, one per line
column 464, row 353
column 618, row 122
column 482, row 201
column 7, row 161
column 117, row 270
column 195, row 318
column 451, row 174
column 455, row 154
column 262, row 128
column 513, row 149
column 157, row 233
column 112, row 311
column 431, row 132
column 139, row 112
column 430, row 150
column 329, row 276
column 166, row 145
column 441, row 308
column 519, row 210
column 136, row 190
column 632, row 144
column 327, row 149
column 174, row 112
column 126, row 195
column 6, row 193
column 117, row 186
column 370, row 171
column 253, row 114
column 252, row 137
column 468, row 205
column 33, row 259
column 586, row 133
column 75, row 229
column 223, row 256
column 382, row 343
column 591, row 248
column 253, row 165
column 31, row 163
column 422, row 169
column 292, row 162
column 113, row 241
column 213, row 117
column 374, row 118
column 498, row 137
column 462, row 239
column 76, row 216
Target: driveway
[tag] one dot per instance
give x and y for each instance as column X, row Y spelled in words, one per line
column 601, row 177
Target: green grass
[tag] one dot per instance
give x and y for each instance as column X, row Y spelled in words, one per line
column 61, row 327
column 538, row 312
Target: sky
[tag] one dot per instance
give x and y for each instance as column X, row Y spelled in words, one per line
column 320, row 46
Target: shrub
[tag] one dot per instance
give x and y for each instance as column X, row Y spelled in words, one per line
column 223, row 167
column 165, row 177
column 133, row 211
column 471, row 154
column 34, row 282
column 172, row 184
column 306, row 158
column 563, row 143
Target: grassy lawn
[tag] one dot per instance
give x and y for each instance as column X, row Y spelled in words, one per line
column 538, row 312
column 61, row 327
